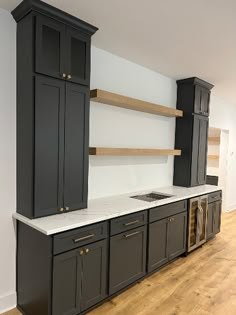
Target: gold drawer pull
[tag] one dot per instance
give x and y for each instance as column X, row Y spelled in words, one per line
column 131, row 223
column 132, row 234
column 83, row 238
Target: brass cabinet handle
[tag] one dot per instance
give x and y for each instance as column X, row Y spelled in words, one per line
column 61, row 209
column 87, row 250
column 131, row 223
column 64, row 75
column 81, row 252
column 67, row 208
column 69, row 76
column 132, row 234
column 83, row 238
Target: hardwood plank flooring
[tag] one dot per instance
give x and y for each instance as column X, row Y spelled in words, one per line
column 204, row 283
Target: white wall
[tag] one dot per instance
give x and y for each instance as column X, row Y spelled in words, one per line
column 116, row 127
column 7, row 158
column 222, row 116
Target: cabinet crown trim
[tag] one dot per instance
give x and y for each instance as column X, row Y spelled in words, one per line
column 27, row 6
column 196, row 81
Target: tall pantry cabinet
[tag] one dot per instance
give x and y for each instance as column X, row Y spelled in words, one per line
column 191, row 135
column 53, row 78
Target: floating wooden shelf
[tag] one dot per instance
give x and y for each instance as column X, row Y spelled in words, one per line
column 109, row 98
column 127, row 152
column 214, row 139
column 213, row 157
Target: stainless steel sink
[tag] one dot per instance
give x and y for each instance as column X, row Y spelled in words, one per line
column 150, row 197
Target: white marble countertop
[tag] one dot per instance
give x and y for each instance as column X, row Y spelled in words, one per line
column 110, row 207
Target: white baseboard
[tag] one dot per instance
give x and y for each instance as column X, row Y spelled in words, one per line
column 231, row 208
column 7, row 302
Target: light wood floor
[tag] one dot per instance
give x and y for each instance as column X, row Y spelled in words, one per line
column 204, row 283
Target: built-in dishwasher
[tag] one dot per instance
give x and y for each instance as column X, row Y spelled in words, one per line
column 197, row 224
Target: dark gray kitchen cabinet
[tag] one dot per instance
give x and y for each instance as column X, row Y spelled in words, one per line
column 158, row 244
column 217, row 216
column 76, row 133
column 199, row 150
column 167, row 240
column 62, row 51
column 49, row 154
column 193, row 96
column 67, row 283
column 191, row 133
column 202, row 100
column 79, row 279
column 53, row 77
column 49, row 47
column 210, row 220
column 67, row 277
column 177, row 235
column 61, row 146
column 94, row 274
column 77, row 56
column 127, row 258
column 213, row 218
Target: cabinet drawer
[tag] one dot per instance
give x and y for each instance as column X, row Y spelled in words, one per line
column 215, row 196
column 165, row 211
column 76, row 238
column 128, row 222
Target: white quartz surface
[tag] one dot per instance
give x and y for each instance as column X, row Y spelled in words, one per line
column 106, row 208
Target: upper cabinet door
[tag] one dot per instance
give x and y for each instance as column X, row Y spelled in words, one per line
column 202, row 100
column 205, row 101
column 77, row 56
column 76, row 147
column 49, row 145
column 50, row 43
column 197, row 100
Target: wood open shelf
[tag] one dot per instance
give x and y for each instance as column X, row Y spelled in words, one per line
column 113, row 99
column 214, row 139
column 213, row 157
column 127, row 152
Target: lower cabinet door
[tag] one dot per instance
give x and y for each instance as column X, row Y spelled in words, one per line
column 158, row 247
column 127, row 258
column 177, row 235
column 217, row 216
column 67, row 271
column 94, row 278
column 79, row 279
column 210, row 220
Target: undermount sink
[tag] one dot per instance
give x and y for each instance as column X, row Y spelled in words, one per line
column 150, row 197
